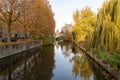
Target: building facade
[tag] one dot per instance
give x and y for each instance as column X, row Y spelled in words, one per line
column 16, row 31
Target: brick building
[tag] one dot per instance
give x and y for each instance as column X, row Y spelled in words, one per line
column 16, row 31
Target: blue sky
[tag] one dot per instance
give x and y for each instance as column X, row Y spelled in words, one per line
column 63, row 9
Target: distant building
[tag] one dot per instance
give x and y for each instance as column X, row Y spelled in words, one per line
column 66, row 28
column 67, row 31
column 57, row 34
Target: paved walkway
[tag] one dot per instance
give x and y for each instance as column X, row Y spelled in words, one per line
column 18, row 42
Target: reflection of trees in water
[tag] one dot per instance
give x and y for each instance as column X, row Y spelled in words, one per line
column 41, row 66
column 97, row 70
column 81, row 66
column 74, row 49
column 65, row 44
column 38, row 67
column 66, row 49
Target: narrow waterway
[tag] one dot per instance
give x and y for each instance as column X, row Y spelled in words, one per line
column 59, row 62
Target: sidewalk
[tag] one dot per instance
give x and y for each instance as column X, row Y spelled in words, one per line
column 17, row 42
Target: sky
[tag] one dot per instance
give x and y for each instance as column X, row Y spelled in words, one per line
column 63, row 9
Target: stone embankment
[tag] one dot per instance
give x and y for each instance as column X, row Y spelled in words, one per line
column 115, row 74
column 11, row 49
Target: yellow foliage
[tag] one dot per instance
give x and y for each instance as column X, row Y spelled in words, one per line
column 83, row 23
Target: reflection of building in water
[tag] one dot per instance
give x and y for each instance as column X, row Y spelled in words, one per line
column 56, row 44
column 67, row 50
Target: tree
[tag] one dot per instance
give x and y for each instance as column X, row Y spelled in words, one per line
column 25, row 19
column 83, row 23
column 35, row 16
column 106, row 36
column 9, row 10
column 43, row 22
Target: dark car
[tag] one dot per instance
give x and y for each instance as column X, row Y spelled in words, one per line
column 13, row 39
column 4, row 39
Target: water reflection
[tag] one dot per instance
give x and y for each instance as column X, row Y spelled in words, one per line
column 81, row 66
column 41, row 66
column 66, row 49
column 37, row 67
column 63, row 61
column 77, row 67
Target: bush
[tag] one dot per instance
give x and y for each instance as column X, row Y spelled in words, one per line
column 64, row 38
column 47, row 39
column 112, row 59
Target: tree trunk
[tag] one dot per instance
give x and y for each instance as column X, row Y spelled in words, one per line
column 25, row 32
column 9, row 32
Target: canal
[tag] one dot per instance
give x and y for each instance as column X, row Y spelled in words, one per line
column 59, row 62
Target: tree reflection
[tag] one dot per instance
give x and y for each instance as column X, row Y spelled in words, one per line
column 35, row 65
column 81, row 66
column 66, row 49
column 40, row 68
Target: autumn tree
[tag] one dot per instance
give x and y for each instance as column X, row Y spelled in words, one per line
column 83, row 23
column 9, row 13
column 25, row 19
column 42, row 19
column 35, row 16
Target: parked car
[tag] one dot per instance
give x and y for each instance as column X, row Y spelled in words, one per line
column 13, row 39
column 4, row 39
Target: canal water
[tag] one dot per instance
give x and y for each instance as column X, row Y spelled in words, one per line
column 59, row 62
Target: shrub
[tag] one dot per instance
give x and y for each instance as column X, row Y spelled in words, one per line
column 47, row 39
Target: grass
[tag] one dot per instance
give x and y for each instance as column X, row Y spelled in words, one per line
column 112, row 59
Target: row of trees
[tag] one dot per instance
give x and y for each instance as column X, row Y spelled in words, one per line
column 34, row 16
column 106, row 34
column 100, row 32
